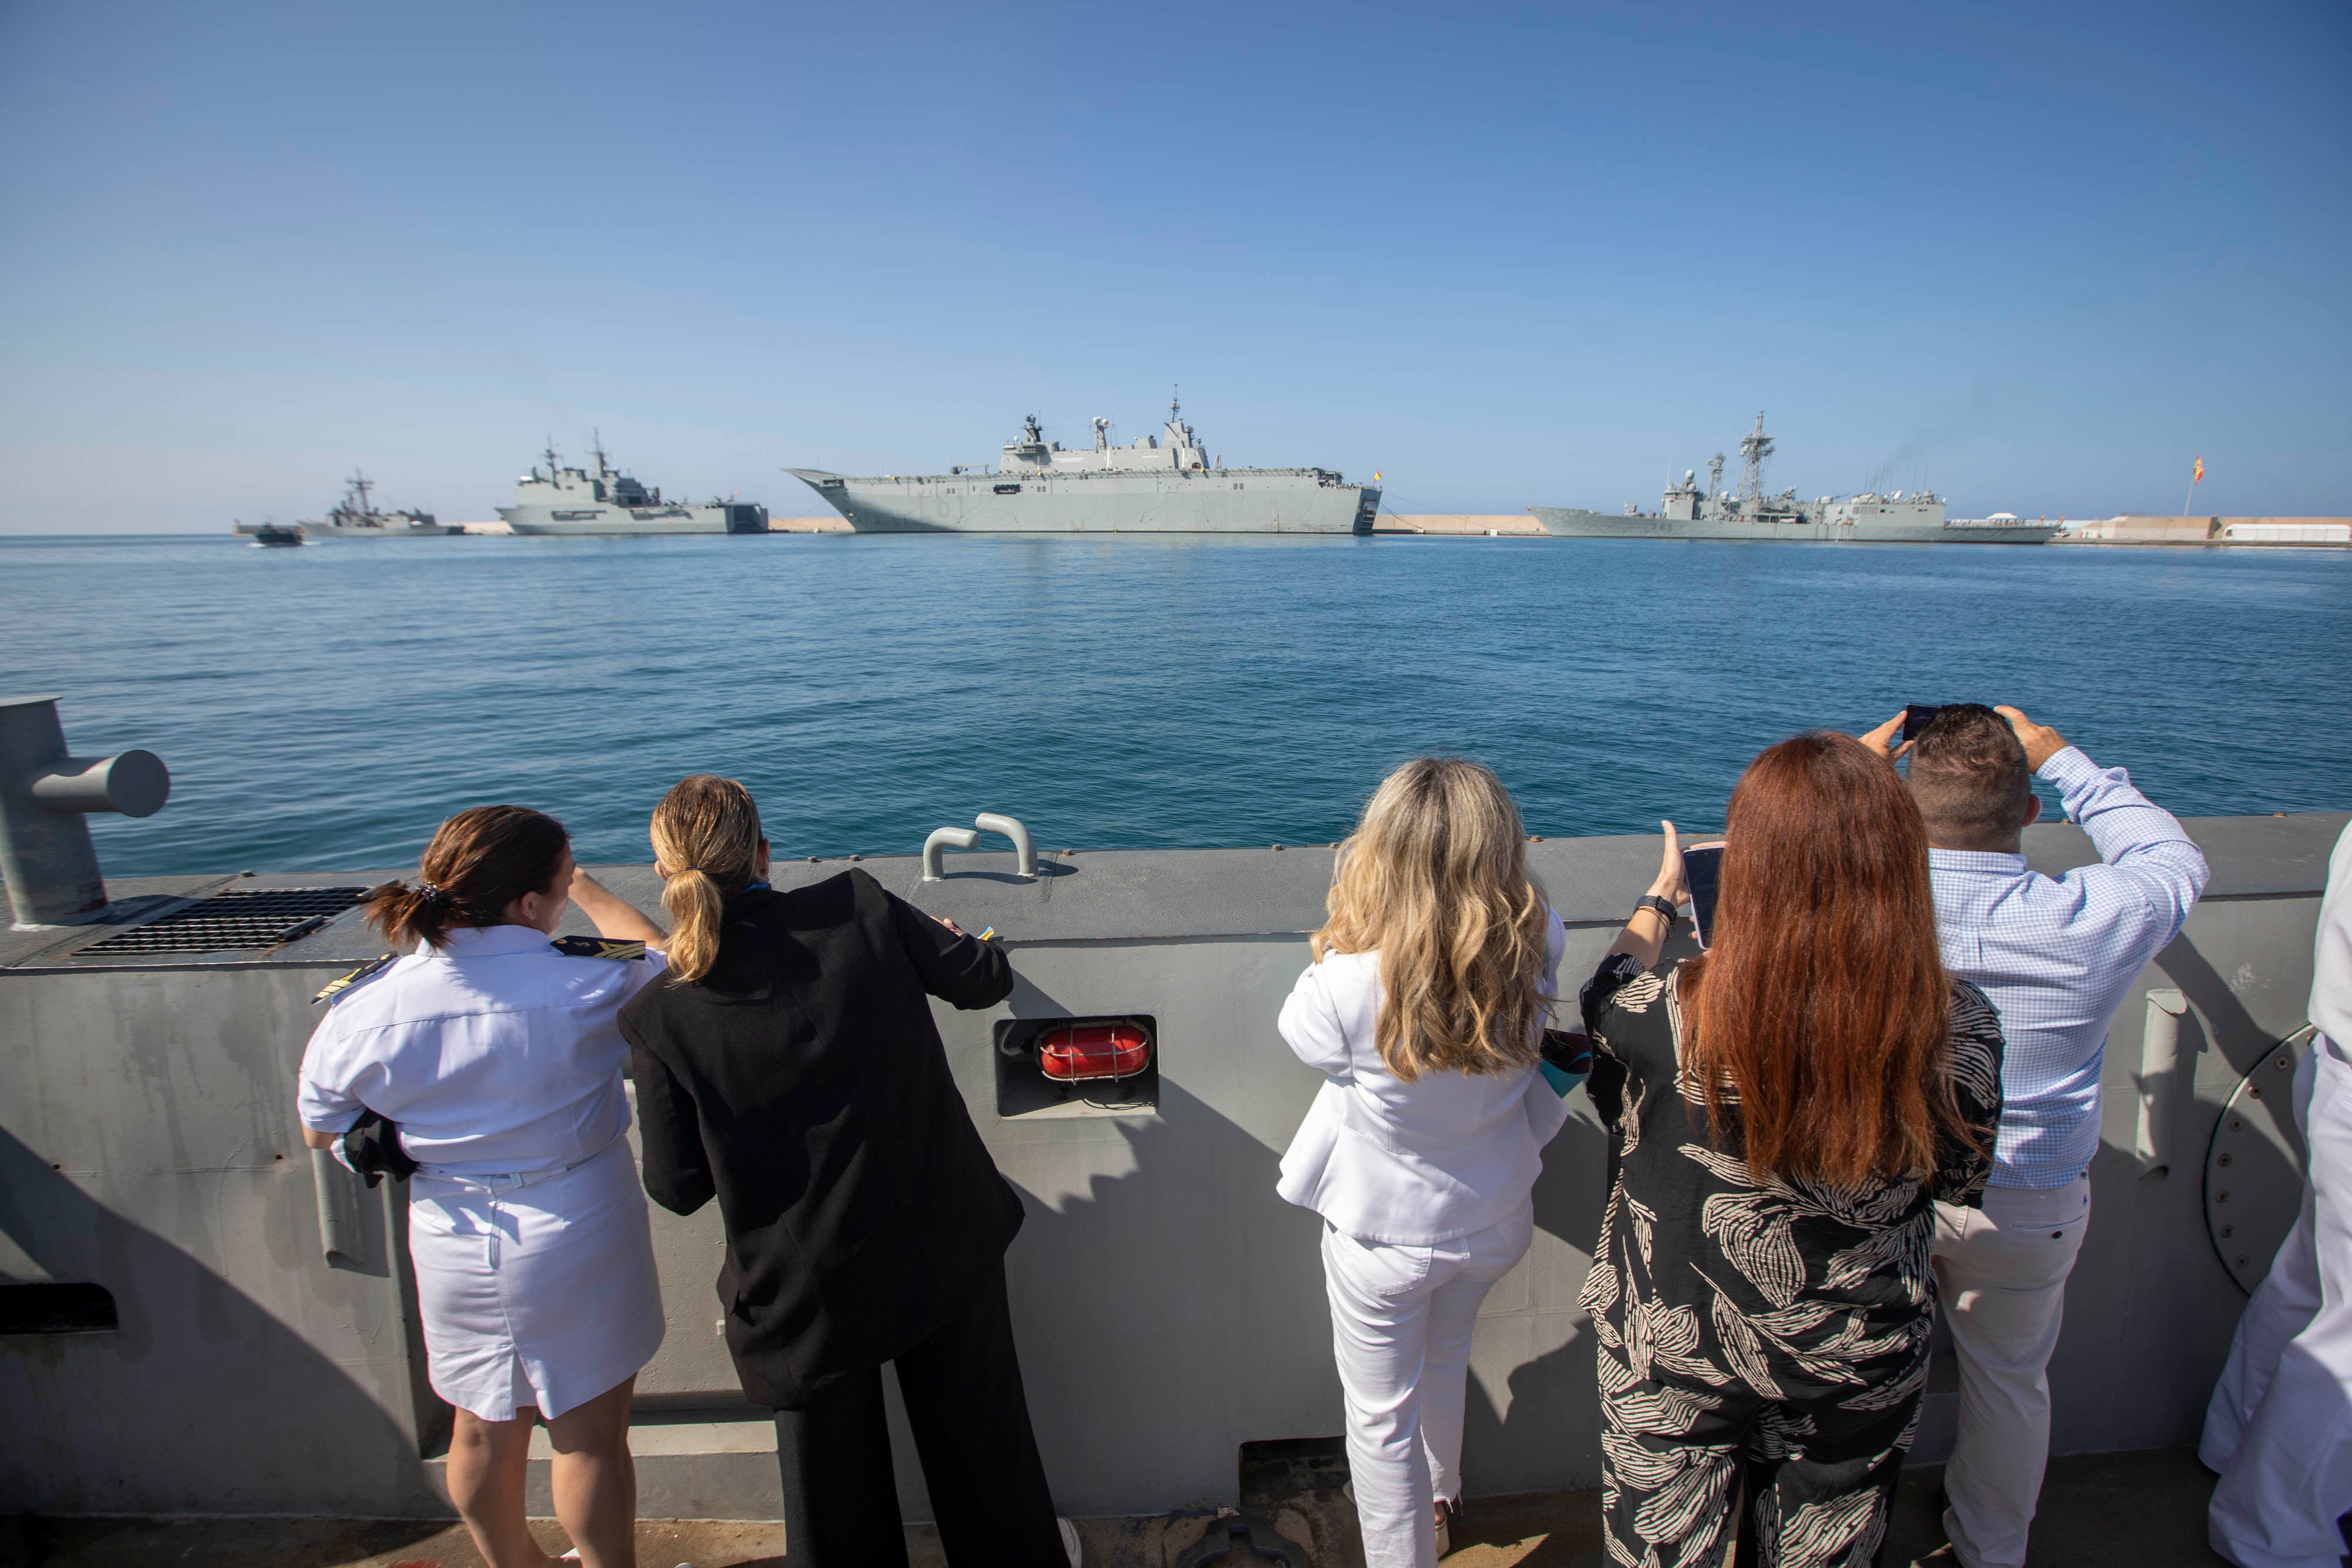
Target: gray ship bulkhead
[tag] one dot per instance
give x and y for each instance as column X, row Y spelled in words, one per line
column 1169, row 1306
column 1213, row 501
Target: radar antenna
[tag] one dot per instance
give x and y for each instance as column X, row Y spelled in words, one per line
column 1754, row 448
column 1714, row 474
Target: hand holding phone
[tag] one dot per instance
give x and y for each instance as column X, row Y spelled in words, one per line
column 1703, row 875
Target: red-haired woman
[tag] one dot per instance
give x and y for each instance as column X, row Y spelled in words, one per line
column 1789, row 1106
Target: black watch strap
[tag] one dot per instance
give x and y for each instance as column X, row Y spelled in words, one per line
column 1664, row 906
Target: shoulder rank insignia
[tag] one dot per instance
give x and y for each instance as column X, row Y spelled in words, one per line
column 334, row 989
column 597, row 947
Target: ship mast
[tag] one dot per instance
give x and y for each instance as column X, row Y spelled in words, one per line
column 360, row 485
column 1754, row 447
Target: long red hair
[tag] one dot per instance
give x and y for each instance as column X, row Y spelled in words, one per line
column 1817, row 1020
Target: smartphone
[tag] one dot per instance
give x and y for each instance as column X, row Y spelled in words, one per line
column 1703, row 875
column 1917, row 717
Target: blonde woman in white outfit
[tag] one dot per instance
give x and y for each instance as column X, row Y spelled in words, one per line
column 492, row 1052
column 1423, row 1010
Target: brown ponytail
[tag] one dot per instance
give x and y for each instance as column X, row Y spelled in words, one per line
column 479, row 862
column 706, row 834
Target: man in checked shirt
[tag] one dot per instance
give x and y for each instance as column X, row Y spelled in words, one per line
column 2056, row 957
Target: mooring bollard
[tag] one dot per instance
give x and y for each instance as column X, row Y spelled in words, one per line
column 47, row 857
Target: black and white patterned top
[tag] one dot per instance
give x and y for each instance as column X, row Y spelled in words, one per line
column 1705, row 1277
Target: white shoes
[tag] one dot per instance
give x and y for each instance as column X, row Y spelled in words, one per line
column 1070, row 1543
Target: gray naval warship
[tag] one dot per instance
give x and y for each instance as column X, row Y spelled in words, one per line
column 1687, row 512
column 603, row 500
column 1164, row 484
column 356, row 518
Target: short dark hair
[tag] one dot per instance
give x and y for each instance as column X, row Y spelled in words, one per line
column 1969, row 775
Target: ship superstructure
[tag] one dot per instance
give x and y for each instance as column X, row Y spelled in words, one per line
column 1687, row 512
column 356, row 518
column 603, row 500
column 1168, row 482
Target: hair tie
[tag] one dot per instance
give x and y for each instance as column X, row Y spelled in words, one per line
column 430, row 891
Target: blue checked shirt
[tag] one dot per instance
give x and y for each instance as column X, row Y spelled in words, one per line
column 2057, row 956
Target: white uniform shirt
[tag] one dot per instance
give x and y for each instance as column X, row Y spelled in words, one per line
column 495, row 1055
column 1408, row 1163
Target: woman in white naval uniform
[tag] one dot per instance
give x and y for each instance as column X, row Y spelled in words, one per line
column 1423, row 1010
column 493, row 1051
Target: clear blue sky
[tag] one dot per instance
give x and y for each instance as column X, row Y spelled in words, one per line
column 2040, row 255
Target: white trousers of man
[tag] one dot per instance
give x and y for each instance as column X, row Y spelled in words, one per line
column 2003, row 1269
column 2280, row 1426
column 1402, row 1319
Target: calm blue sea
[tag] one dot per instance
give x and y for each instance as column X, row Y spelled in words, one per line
column 323, row 707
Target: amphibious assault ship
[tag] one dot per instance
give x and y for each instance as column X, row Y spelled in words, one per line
column 1164, row 484
column 603, row 500
column 356, row 518
column 1687, row 512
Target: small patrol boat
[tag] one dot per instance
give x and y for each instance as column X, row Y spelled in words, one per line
column 272, row 534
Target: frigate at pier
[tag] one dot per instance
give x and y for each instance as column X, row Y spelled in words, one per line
column 1687, row 512
column 1164, row 484
column 356, row 518
column 603, row 500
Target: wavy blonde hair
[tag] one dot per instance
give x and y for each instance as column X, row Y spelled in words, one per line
column 706, row 834
column 1434, row 880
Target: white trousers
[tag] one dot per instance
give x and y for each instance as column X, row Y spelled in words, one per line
column 2280, row 1426
column 2003, row 1271
column 1400, row 1323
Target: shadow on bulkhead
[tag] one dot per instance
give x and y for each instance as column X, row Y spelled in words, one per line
column 200, row 1398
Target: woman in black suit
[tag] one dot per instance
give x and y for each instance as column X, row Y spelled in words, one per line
column 789, row 1066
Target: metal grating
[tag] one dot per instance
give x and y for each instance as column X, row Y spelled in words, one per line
column 256, row 917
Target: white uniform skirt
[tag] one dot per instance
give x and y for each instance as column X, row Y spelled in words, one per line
column 541, row 1295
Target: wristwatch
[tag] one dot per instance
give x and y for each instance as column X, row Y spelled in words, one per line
column 1664, row 906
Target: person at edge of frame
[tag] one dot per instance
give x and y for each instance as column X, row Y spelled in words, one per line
column 1787, row 1109
column 2279, row 1429
column 789, row 1067
column 2056, row 955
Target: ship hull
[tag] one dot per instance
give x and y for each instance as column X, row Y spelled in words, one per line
column 596, row 518
column 406, row 531
column 1213, row 501
column 1571, row 522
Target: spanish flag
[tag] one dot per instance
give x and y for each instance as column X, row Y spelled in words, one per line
column 2199, row 476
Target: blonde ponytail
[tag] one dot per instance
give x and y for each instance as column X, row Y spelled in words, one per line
column 693, row 903
column 705, row 834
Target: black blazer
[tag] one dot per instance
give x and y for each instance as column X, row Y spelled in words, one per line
column 803, row 1082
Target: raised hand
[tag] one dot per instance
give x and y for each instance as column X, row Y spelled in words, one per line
column 2040, row 742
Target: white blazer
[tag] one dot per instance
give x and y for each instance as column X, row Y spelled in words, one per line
column 1408, row 1163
